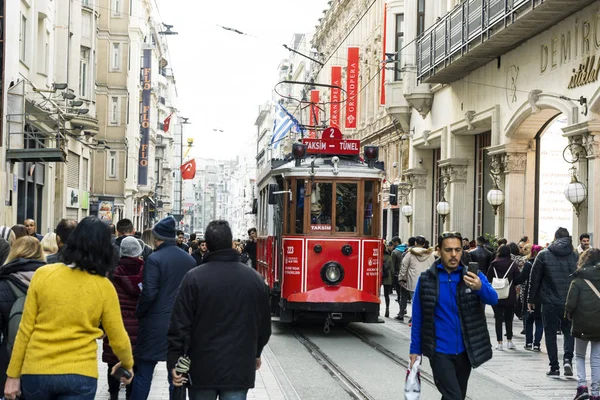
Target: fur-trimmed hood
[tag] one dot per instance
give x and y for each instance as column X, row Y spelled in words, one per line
column 421, row 253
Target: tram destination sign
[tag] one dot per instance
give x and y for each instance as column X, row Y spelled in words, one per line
column 331, row 146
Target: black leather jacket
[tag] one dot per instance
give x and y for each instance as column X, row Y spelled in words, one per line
column 482, row 257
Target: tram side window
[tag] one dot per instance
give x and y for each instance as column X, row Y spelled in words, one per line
column 345, row 207
column 299, row 224
column 320, row 207
column 369, row 195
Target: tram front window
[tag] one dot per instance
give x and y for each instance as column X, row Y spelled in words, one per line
column 320, row 207
column 299, row 206
column 345, row 207
column 369, row 194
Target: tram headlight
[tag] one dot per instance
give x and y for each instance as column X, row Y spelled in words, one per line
column 332, row 273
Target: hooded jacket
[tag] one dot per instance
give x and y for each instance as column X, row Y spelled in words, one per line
column 551, row 273
column 397, row 255
column 126, row 279
column 415, row 261
column 19, row 272
column 583, row 304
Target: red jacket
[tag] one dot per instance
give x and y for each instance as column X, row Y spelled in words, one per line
column 126, row 278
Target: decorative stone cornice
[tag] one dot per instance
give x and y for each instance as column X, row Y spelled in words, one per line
column 417, row 177
column 515, row 163
column 454, row 169
column 591, row 142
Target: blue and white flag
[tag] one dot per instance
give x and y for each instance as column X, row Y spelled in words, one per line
column 282, row 124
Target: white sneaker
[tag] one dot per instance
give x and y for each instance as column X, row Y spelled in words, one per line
column 510, row 346
column 499, row 347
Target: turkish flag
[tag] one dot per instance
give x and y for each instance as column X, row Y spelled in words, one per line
column 188, row 170
column 167, row 123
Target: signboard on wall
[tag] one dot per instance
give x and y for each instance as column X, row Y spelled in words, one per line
column 72, row 198
column 145, row 117
column 352, row 75
column 106, row 208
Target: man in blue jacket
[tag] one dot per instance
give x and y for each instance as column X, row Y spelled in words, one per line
column 162, row 276
column 446, row 300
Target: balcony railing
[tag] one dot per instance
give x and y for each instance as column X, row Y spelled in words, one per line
column 478, row 31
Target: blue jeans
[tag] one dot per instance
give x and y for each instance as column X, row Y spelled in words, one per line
column 531, row 319
column 142, row 381
column 59, row 387
column 207, row 394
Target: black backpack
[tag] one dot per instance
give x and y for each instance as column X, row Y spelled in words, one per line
column 14, row 318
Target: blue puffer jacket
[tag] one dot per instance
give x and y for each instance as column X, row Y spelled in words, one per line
column 162, row 276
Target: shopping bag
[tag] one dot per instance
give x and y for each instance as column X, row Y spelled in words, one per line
column 412, row 384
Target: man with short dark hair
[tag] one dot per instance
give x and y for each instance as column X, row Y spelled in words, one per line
column 32, row 229
column 397, row 254
column 162, row 276
column 125, row 228
column 250, row 247
column 191, row 239
column 181, row 242
column 449, row 323
column 63, row 230
column 481, row 255
column 221, row 320
column 584, row 243
column 549, row 283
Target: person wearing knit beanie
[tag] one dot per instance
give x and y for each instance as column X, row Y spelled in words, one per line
column 165, row 229
column 130, row 247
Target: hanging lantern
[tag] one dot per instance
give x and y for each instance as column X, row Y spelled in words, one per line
column 576, row 193
column 496, row 198
column 407, row 211
column 443, row 209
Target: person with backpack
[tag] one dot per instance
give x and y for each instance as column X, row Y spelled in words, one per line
column 504, row 270
column 55, row 354
column 24, row 258
column 583, row 309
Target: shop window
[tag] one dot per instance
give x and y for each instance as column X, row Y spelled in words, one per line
column 345, row 207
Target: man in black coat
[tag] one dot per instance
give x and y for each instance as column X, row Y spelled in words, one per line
column 162, row 276
column 481, row 255
column 63, row 230
column 549, row 284
column 221, row 320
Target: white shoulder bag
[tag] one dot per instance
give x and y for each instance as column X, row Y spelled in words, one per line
column 502, row 285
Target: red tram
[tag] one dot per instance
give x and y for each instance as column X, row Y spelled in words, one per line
column 319, row 225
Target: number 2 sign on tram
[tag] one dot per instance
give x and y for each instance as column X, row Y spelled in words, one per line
column 331, row 142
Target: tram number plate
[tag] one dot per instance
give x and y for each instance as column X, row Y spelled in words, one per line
column 331, row 146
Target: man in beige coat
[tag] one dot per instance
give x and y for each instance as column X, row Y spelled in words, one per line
column 416, row 260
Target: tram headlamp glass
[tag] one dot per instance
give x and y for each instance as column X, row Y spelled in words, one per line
column 332, row 273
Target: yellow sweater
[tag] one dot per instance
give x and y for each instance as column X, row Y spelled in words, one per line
column 60, row 324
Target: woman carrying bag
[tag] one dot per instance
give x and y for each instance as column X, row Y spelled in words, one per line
column 583, row 308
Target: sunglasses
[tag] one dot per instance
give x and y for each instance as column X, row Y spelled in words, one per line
column 454, row 234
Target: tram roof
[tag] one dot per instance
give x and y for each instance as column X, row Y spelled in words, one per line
column 323, row 167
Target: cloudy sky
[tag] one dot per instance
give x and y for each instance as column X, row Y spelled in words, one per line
column 222, row 77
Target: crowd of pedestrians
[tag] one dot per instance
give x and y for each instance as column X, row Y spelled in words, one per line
column 554, row 289
column 88, row 280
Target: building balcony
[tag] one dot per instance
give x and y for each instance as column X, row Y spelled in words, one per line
column 478, row 31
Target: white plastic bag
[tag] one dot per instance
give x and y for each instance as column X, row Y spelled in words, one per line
column 412, row 384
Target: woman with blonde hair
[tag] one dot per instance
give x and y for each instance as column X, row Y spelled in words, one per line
column 24, row 258
column 583, row 309
column 55, row 351
column 49, row 244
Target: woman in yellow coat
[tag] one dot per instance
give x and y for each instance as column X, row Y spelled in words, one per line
column 55, row 351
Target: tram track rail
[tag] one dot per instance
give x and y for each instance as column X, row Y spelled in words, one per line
column 344, row 379
column 425, row 376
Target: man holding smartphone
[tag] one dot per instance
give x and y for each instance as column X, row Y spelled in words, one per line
column 437, row 330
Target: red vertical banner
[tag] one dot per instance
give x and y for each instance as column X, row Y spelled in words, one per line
column 334, row 107
column 314, row 112
column 352, row 87
column 383, row 42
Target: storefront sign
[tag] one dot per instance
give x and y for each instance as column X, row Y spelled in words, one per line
column 145, row 117
column 327, row 146
column 586, row 73
column 72, row 198
column 334, row 107
column 352, row 87
column 105, row 210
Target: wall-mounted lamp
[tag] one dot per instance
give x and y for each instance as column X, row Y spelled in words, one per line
column 575, row 192
column 495, row 196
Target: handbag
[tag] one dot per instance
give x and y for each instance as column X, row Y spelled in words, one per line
column 502, row 285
